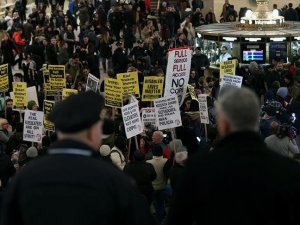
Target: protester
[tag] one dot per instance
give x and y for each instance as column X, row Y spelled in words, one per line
column 227, row 184
column 76, row 173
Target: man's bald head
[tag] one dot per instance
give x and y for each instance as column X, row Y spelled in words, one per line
column 157, row 137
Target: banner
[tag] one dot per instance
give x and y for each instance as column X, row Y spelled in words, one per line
column 148, row 117
column 48, row 107
column 167, row 112
column 33, row 126
column 132, row 120
column 113, row 93
column 4, row 78
column 178, row 73
column 231, row 81
column 57, row 77
column 203, row 108
column 92, row 83
column 20, row 95
column 130, row 84
column 227, row 67
column 152, row 88
column 67, row 92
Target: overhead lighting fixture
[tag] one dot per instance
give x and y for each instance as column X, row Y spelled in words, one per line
column 253, row 39
column 249, row 13
column 230, row 38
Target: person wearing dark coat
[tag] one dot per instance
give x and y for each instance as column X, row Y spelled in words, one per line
column 241, row 181
column 7, row 47
column 200, row 62
column 120, row 59
column 142, row 174
column 290, row 14
column 7, row 169
column 80, row 188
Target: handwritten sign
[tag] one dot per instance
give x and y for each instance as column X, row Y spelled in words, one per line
column 48, row 107
column 33, row 126
column 113, row 92
column 20, row 95
column 4, row 78
column 132, row 120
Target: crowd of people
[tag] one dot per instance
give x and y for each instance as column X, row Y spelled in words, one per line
column 241, row 168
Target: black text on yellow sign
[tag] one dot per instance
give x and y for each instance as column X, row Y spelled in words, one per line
column 152, row 88
column 113, row 93
column 48, row 107
column 130, row 84
column 20, row 95
column 4, row 78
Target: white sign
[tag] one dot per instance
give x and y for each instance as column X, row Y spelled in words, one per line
column 167, row 112
column 203, row 108
column 148, row 116
column 92, row 83
column 33, row 126
column 178, row 73
column 132, row 120
column 231, row 81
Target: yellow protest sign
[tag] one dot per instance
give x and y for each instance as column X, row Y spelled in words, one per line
column 47, row 85
column 57, row 77
column 48, row 107
column 152, row 88
column 130, row 84
column 191, row 91
column 113, row 93
column 4, row 78
column 20, row 95
column 227, row 67
column 67, row 92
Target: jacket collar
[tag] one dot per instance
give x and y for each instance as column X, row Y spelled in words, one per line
column 241, row 140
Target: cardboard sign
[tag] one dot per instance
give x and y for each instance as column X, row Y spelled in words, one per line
column 130, row 83
column 231, row 81
column 33, row 126
column 32, row 95
column 4, row 78
column 167, row 112
column 113, row 93
column 67, row 92
column 152, row 88
column 178, row 73
column 148, row 117
column 57, row 77
column 48, row 107
column 92, row 83
column 203, row 108
column 227, row 67
column 20, row 95
column 132, row 120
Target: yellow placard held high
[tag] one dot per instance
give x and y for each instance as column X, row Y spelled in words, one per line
column 227, row 67
column 48, row 107
column 113, row 93
column 57, row 77
column 4, row 78
column 20, row 95
column 67, row 92
column 152, row 88
column 130, row 84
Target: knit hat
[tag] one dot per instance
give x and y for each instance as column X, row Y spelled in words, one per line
column 181, row 157
column 282, row 92
column 104, row 150
column 32, row 152
column 175, row 145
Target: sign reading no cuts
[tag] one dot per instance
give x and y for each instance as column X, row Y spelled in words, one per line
column 178, row 73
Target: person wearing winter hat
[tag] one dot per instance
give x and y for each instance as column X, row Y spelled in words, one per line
column 159, row 184
column 32, row 152
column 71, row 182
column 105, row 152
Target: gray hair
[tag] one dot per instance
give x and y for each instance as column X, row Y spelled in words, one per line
column 241, row 107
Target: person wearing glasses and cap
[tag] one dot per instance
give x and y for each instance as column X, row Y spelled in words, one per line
column 71, row 185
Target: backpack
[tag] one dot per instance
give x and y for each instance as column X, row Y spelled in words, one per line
column 116, row 151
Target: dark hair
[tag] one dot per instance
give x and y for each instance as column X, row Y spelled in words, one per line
column 121, row 143
column 290, row 5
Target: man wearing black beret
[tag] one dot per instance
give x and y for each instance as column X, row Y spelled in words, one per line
column 69, row 185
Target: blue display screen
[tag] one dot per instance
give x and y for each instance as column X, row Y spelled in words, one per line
column 253, row 55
